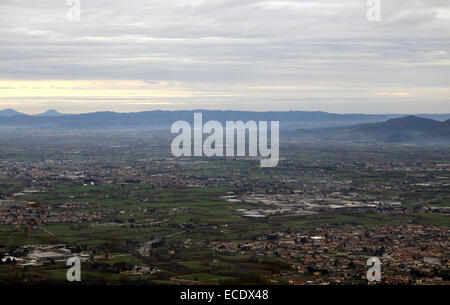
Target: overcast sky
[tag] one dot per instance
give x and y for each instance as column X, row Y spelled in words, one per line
column 225, row 54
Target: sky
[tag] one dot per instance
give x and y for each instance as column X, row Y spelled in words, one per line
column 259, row 55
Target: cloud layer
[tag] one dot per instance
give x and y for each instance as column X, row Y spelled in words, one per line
column 226, row 54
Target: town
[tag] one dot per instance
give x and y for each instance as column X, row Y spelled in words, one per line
column 133, row 213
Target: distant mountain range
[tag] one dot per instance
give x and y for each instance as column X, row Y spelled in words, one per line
column 303, row 125
column 409, row 129
column 12, row 112
column 289, row 120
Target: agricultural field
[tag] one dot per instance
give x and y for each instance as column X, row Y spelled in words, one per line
column 135, row 216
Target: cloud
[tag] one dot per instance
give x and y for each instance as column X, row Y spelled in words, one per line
column 403, row 94
column 229, row 47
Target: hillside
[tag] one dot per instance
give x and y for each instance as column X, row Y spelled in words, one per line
column 409, row 129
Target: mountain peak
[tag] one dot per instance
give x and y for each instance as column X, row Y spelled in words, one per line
column 50, row 112
column 411, row 122
column 10, row 112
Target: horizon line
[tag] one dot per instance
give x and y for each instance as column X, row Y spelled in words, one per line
column 223, row 110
